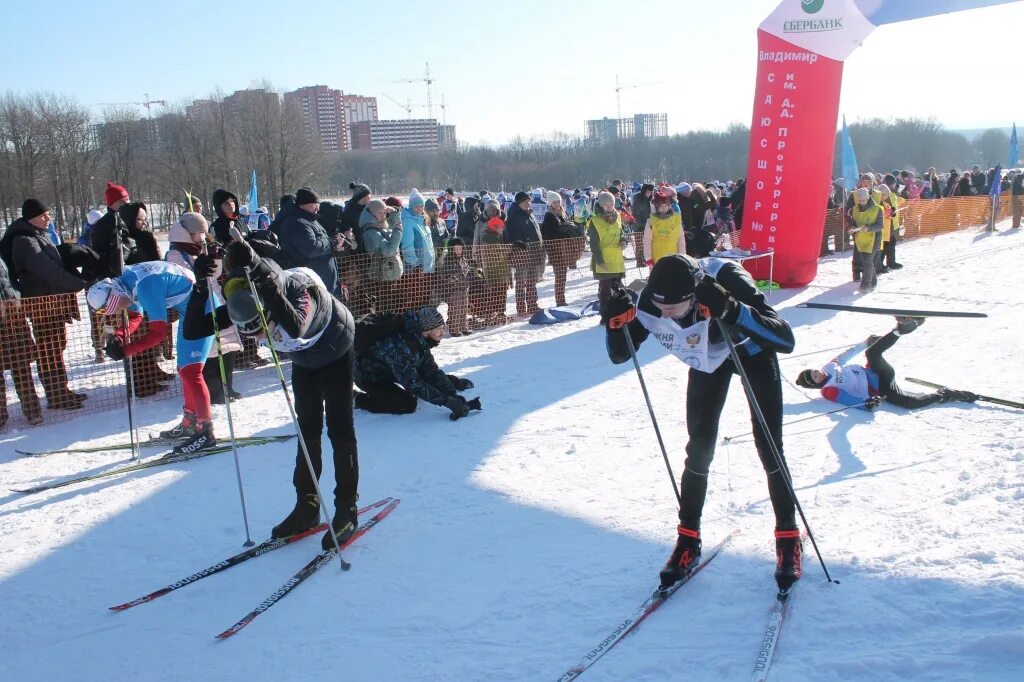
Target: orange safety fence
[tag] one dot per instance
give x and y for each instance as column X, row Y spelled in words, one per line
column 51, row 346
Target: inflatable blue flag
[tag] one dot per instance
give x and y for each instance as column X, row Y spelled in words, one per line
column 850, row 174
column 1014, row 151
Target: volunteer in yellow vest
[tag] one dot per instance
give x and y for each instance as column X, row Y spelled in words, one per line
column 883, row 197
column 868, row 219
column 663, row 235
column 604, row 231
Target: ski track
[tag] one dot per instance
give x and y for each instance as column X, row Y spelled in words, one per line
column 528, row 530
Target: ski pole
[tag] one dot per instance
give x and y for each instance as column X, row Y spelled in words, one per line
column 227, row 404
column 773, row 446
column 235, row 234
column 128, row 363
column 650, row 409
column 797, row 421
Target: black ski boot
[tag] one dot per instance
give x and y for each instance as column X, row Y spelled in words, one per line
column 788, row 555
column 183, row 430
column 905, row 325
column 684, row 557
column 306, row 515
column 950, row 395
column 202, row 440
column 346, row 518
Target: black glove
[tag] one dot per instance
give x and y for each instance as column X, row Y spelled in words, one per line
column 619, row 309
column 458, row 407
column 717, row 301
column 872, row 402
column 114, row 349
column 204, row 266
column 474, row 404
column 240, row 255
column 459, row 383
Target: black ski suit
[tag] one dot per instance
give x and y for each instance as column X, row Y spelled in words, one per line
column 299, row 305
column 759, row 333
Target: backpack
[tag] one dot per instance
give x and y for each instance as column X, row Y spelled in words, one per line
column 373, row 327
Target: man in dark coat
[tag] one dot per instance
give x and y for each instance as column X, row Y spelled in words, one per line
column 468, row 217
column 527, row 255
column 397, row 369
column 349, row 221
column 109, row 236
column 304, row 241
column 225, row 205
column 36, row 265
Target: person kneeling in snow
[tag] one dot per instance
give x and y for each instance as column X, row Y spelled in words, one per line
column 395, row 368
column 316, row 331
column 156, row 286
column 865, row 386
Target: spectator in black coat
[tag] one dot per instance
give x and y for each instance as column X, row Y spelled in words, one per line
column 1017, row 199
column 641, row 210
column 135, row 218
column 36, row 265
column 527, row 254
column 468, row 217
column 361, row 196
column 563, row 241
column 225, row 205
column 304, row 241
column 109, row 236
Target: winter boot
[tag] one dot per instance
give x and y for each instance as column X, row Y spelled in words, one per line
column 202, row 440
column 306, row 515
column 684, row 557
column 186, row 429
column 788, row 553
column 344, row 525
column 950, row 395
column 905, row 325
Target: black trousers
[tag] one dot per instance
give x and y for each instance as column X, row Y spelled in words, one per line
column 705, row 398
column 887, row 385
column 386, row 398
column 319, row 391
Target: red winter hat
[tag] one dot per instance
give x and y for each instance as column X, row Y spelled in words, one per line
column 393, row 201
column 660, row 198
column 115, row 193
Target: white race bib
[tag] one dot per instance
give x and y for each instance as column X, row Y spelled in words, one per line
column 689, row 345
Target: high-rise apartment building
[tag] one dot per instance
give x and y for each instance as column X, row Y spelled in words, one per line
column 324, row 115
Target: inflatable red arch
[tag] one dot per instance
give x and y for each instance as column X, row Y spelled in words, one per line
column 801, row 49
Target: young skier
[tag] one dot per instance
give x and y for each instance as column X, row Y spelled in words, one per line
column 866, row 385
column 681, row 296
column 156, row 286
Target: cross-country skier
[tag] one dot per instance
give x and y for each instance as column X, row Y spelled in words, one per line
column 154, row 287
column 681, row 296
column 316, row 331
column 866, row 385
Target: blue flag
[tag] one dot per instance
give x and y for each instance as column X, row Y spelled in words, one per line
column 850, row 174
column 254, row 197
column 993, row 191
column 1014, row 151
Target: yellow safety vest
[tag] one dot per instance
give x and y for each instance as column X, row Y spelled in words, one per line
column 865, row 241
column 665, row 233
column 609, row 235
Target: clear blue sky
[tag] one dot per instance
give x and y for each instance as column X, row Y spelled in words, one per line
column 535, row 68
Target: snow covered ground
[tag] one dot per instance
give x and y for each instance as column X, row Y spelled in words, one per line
column 527, row 531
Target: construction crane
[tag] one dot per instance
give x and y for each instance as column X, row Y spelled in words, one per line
column 430, row 82
column 620, row 88
column 148, row 103
column 408, row 106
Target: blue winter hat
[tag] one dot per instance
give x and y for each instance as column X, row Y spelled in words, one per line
column 415, row 199
column 683, row 187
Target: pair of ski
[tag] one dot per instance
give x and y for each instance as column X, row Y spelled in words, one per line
column 154, row 441
column 383, row 507
column 160, row 460
column 766, row 653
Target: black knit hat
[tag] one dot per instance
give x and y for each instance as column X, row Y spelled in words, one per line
column 429, row 318
column 359, row 190
column 33, row 208
column 306, row 196
column 646, row 186
column 520, row 197
column 673, row 279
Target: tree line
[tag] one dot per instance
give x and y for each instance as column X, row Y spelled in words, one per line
column 54, row 148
